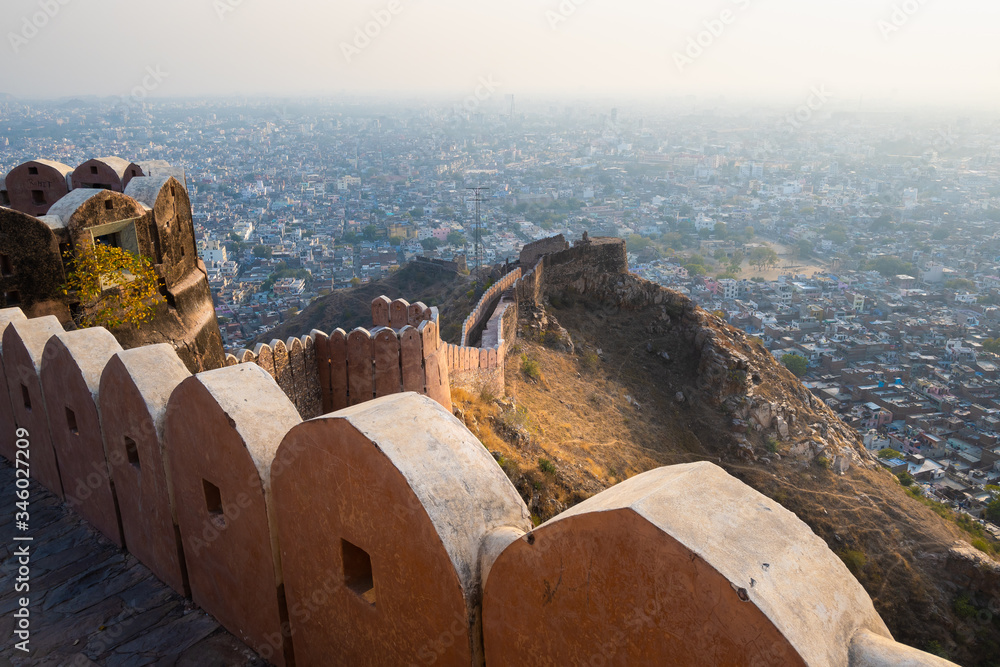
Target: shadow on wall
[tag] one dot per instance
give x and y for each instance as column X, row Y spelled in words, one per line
column 386, row 534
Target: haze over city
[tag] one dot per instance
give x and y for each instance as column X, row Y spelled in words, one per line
column 563, row 332
column 880, row 54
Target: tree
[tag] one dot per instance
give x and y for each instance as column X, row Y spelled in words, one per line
column 262, row 251
column 960, row 284
column 889, row 453
column 417, row 213
column 370, row 232
column 637, row 243
column 430, row 244
column 115, row 288
column 890, row 266
column 355, row 281
column 763, row 258
column 993, row 511
column 796, row 363
column 456, row 238
column 748, row 232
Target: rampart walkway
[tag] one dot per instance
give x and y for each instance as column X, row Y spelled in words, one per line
column 94, row 604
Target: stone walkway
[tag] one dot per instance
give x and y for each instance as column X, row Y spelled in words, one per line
column 93, row 604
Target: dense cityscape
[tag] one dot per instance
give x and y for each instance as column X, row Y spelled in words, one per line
column 860, row 247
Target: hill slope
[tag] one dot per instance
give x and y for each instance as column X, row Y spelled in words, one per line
column 351, row 308
column 623, row 376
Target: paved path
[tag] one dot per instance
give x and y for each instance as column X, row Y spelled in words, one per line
column 94, row 604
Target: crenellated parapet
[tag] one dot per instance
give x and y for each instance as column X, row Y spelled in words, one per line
column 322, row 373
column 384, row 533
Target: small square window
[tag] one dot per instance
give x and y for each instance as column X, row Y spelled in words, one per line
column 71, row 422
column 213, row 502
column 38, row 197
column 132, row 452
column 12, row 298
column 93, row 171
column 109, row 205
column 134, row 173
column 6, row 266
column 33, row 171
column 4, row 198
column 26, row 397
column 358, row 571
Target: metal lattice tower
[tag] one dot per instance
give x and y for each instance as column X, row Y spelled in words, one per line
column 479, row 226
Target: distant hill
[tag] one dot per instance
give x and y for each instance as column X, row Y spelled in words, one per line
column 351, row 308
column 653, row 381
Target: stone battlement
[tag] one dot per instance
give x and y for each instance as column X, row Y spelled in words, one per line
column 494, row 319
column 322, row 373
column 385, row 533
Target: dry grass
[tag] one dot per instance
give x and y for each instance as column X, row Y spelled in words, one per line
column 601, row 422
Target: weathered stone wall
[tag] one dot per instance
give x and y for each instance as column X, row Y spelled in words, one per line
column 322, row 373
column 33, row 187
column 474, row 324
column 483, row 367
column 385, row 533
column 152, row 217
column 532, row 252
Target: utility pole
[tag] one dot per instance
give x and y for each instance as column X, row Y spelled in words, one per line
column 479, row 223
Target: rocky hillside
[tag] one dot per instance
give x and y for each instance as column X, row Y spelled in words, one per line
column 615, row 375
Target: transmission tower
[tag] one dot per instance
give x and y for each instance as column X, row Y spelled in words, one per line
column 479, row 225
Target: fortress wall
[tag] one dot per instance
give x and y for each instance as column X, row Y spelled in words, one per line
column 71, row 375
column 23, row 348
column 385, row 534
column 136, row 386
column 477, row 319
column 7, row 449
column 532, row 252
column 323, row 373
column 561, row 265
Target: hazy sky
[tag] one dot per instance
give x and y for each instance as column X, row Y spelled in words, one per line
column 938, row 51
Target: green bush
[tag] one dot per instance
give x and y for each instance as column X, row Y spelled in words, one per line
column 890, row 454
column 591, row 361
column 854, row 560
column 906, row 479
column 993, row 511
column 983, row 545
column 546, row 466
column 530, row 368
column 964, row 608
column 796, row 363
column 772, row 445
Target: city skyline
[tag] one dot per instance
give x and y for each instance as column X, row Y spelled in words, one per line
column 882, row 54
